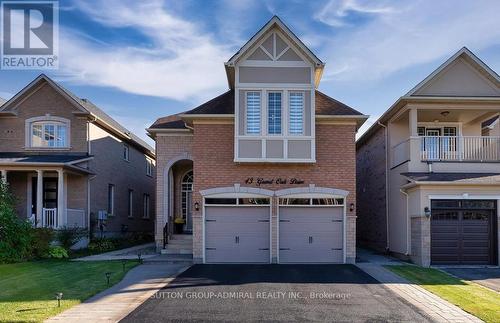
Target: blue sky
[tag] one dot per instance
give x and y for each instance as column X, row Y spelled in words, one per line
column 140, row 60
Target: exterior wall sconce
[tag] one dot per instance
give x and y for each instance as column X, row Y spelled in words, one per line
column 351, row 207
column 196, row 206
column 427, row 212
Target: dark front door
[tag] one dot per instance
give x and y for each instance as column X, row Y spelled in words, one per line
column 49, row 193
column 463, row 232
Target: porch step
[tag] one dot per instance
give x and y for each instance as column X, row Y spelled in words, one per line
column 171, row 259
column 182, row 237
column 180, row 243
column 176, row 251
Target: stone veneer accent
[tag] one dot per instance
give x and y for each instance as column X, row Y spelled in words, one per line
column 421, row 241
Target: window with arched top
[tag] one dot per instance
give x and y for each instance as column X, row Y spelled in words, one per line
column 47, row 132
column 186, row 193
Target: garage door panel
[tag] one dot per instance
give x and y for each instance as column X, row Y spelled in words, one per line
column 237, row 234
column 310, row 234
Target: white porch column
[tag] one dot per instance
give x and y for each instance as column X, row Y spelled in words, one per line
column 413, row 120
column 4, row 175
column 39, row 198
column 61, row 193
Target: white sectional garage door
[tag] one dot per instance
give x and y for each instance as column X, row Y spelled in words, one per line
column 309, row 234
column 237, row 234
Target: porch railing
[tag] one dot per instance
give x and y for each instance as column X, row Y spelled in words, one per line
column 458, row 148
column 49, row 218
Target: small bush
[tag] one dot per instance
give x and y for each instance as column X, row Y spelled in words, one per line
column 57, row 252
column 67, row 236
column 102, row 245
column 15, row 234
column 42, row 238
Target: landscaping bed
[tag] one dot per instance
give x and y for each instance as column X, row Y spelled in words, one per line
column 472, row 298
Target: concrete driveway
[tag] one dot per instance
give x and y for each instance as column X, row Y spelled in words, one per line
column 488, row 277
column 277, row 293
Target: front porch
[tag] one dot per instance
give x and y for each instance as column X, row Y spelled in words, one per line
column 51, row 197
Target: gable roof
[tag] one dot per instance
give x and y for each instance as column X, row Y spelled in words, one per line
column 223, row 105
column 85, row 107
column 275, row 21
column 468, row 56
column 490, row 122
column 463, row 53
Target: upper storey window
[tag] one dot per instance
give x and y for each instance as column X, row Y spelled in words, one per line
column 274, row 113
column 51, row 133
column 296, row 123
column 253, row 113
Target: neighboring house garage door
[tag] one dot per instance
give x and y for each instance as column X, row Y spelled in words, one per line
column 311, row 230
column 237, row 230
column 463, row 232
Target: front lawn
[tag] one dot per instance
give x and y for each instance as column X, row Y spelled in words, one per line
column 27, row 290
column 475, row 299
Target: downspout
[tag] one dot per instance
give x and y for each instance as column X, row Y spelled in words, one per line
column 189, row 127
column 407, row 223
column 386, row 184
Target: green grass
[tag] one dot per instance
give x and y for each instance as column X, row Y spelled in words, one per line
column 473, row 298
column 27, row 290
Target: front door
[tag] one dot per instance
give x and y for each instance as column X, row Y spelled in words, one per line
column 431, row 143
column 49, row 194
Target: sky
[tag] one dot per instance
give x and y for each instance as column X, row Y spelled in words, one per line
column 141, row 60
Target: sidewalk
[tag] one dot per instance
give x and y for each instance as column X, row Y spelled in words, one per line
column 146, row 250
column 435, row 307
column 115, row 303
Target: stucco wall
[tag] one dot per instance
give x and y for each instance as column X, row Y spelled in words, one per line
column 371, row 192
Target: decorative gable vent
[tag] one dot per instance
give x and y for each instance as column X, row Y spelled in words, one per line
column 274, row 48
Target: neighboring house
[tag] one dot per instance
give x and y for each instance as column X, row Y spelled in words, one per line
column 70, row 164
column 428, row 171
column 265, row 172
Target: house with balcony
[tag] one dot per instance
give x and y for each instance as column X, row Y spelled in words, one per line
column 428, row 171
column 70, row 164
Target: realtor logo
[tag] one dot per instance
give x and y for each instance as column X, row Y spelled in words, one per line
column 30, row 35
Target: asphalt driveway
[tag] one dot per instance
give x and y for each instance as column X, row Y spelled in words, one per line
column 488, row 277
column 275, row 293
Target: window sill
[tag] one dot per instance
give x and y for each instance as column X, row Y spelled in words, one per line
column 47, row 148
column 274, row 160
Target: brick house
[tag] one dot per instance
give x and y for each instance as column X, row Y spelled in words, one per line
column 65, row 159
column 265, row 172
column 428, row 171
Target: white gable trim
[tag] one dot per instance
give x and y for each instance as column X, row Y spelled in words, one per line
column 449, row 62
column 268, row 26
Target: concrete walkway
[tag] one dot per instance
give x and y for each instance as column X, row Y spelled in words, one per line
column 434, row 306
column 146, row 250
column 115, row 303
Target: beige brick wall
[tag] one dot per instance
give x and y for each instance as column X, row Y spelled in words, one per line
column 371, row 192
column 421, row 241
column 43, row 101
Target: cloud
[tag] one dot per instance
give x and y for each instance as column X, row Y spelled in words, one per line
column 335, row 12
column 404, row 35
column 181, row 61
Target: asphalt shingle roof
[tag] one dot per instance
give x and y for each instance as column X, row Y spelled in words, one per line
column 486, row 178
column 6, row 158
column 224, row 104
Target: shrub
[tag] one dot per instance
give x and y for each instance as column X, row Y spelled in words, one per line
column 42, row 238
column 57, row 252
column 15, row 234
column 67, row 236
column 102, row 245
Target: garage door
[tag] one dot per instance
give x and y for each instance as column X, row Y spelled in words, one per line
column 310, row 233
column 463, row 232
column 236, row 233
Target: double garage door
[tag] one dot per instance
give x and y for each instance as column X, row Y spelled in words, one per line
column 239, row 231
column 463, row 232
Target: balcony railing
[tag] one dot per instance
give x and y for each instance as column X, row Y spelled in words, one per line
column 49, row 218
column 458, row 148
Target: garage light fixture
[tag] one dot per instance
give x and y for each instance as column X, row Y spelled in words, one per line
column 351, row 207
column 427, row 212
column 196, row 206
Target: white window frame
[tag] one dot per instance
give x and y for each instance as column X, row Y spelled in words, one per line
column 126, row 152
column 289, row 114
column 146, row 201
column 149, row 167
column 111, row 200
column 43, row 121
column 282, row 112
column 130, row 203
column 246, row 114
